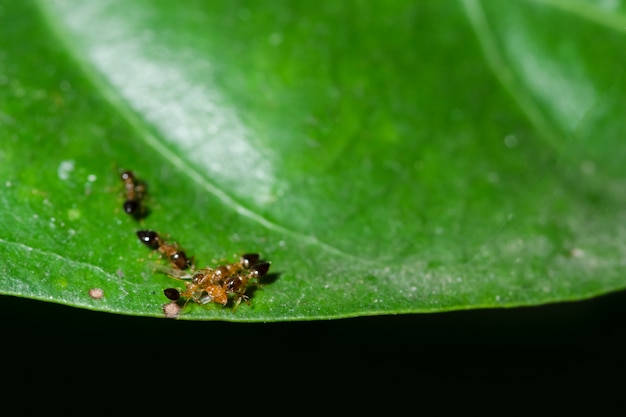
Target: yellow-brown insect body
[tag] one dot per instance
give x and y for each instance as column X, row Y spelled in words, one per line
column 169, row 251
column 134, row 191
column 217, row 284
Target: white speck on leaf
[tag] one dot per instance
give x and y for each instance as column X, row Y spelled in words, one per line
column 65, row 169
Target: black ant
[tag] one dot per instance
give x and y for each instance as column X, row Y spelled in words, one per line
column 134, row 191
column 169, row 250
column 217, row 284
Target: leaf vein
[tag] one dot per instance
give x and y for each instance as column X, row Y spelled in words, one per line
column 613, row 21
column 73, row 262
column 503, row 72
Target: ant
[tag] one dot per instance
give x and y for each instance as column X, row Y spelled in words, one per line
column 134, row 191
column 177, row 257
column 217, row 284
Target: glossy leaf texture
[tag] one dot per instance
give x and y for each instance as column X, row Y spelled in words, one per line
column 386, row 156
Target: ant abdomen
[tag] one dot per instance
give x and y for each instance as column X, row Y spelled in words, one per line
column 179, row 259
column 172, row 294
column 149, row 238
column 261, row 269
column 249, row 259
column 131, row 206
column 234, row 284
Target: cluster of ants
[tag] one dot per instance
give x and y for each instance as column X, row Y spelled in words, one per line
column 204, row 285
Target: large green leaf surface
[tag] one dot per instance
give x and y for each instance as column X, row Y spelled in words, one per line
column 386, row 156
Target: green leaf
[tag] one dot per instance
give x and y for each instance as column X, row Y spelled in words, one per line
column 386, row 157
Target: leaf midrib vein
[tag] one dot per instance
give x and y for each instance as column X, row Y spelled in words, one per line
column 117, row 103
column 503, row 72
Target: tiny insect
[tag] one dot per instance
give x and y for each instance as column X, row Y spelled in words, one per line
column 170, row 251
column 96, row 293
column 218, row 284
column 171, row 310
column 134, row 192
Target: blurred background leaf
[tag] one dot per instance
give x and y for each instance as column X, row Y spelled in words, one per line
column 386, row 157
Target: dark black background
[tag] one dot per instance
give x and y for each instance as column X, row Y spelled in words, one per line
column 556, row 339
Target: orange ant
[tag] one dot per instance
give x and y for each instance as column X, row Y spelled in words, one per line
column 216, row 284
column 170, row 251
column 134, row 191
